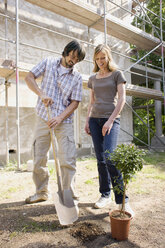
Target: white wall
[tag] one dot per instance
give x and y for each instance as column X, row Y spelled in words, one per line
column 43, row 38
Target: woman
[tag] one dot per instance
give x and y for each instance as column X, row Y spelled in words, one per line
column 107, row 98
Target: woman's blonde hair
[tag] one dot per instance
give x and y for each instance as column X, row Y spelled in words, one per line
column 105, row 49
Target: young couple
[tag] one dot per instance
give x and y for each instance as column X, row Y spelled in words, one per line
column 61, row 89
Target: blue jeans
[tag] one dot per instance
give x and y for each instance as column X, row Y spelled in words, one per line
column 104, row 146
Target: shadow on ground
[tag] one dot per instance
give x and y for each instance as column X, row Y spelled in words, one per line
column 37, row 218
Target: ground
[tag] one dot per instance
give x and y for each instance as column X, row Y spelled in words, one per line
column 37, row 225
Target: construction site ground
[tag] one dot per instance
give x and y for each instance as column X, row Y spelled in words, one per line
column 37, row 225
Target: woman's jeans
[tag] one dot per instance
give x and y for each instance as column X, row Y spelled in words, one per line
column 104, row 146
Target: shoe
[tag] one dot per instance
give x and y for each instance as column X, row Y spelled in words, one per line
column 127, row 209
column 36, row 198
column 102, row 202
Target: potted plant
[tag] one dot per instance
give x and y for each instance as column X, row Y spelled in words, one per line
column 128, row 159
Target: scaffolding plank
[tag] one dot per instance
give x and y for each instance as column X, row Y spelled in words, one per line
column 87, row 14
column 143, row 92
column 137, row 91
column 74, row 10
column 7, row 70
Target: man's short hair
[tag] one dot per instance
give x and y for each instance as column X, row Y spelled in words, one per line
column 74, row 46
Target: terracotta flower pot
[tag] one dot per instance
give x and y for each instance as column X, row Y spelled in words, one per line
column 119, row 226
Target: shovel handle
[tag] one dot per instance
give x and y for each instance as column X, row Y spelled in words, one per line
column 59, row 181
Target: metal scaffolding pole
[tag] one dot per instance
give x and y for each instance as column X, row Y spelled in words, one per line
column 145, row 56
column 17, row 21
column 17, row 84
column 6, row 33
column 148, row 122
column 6, row 91
column 146, row 72
column 67, row 36
column 148, row 18
column 162, row 51
column 133, row 14
column 105, row 23
column 7, row 122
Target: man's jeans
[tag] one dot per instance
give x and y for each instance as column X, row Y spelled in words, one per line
column 104, row 146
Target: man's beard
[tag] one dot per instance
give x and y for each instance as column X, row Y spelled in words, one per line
column 68, row 65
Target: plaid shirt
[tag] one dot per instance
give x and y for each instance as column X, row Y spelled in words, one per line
column 61, row 88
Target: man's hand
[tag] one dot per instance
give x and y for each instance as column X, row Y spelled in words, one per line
column 31, row 83
column 54, row 122
column 46, row 100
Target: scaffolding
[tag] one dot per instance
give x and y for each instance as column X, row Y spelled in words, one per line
column 88, row 13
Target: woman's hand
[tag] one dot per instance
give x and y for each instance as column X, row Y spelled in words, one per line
column 87, row 130
column 107, row 128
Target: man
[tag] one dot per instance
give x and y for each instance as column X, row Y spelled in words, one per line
column 61, row 89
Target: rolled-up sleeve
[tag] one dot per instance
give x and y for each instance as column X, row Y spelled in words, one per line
column 39, row 69
column 77, row 90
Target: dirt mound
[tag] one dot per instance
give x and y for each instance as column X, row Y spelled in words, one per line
column 86, row 231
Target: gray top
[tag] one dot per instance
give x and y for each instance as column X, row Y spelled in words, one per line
column 105, row 93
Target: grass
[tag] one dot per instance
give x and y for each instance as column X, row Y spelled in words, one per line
column 12, row 166
column 7, row 194
column 154, row 172
column 13, row 234
column 92, row 165
column 86, row 158
column 52, row 171
column 90, row 181
column 155, row 158
column 33, row 227
column 36, row 226
column 136, row 185
column 154, row 168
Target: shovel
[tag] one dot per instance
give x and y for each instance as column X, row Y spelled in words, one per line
column 66, row 210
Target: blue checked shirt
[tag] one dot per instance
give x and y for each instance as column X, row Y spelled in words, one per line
column 62, row 88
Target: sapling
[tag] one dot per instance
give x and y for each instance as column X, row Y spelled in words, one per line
column 128, row 160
